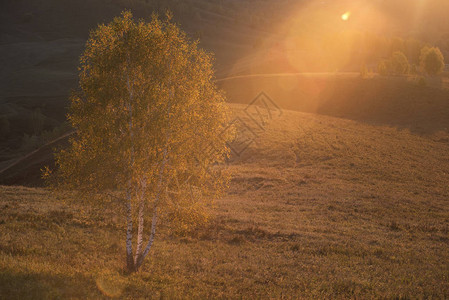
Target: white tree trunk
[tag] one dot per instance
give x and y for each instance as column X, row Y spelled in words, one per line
column 129, row 233
column 140, row 227
column 150, row 242
column 140, row 256
column 129, row 252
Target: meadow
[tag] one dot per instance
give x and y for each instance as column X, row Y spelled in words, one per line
column 339, row 191
column 318, row 207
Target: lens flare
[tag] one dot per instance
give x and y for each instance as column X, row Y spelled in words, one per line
column 346, row 16
column 110, row 284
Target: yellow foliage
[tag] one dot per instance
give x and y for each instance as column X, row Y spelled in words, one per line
column 147, row 115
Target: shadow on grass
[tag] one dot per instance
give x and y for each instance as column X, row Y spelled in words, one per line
column 20, row 285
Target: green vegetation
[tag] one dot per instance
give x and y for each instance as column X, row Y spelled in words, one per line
column 319, row 207
column 149, row 126
column 431, row 60
column 397, row 64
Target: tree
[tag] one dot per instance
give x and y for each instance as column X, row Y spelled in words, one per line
column 150, row 127
column 382, row 68
column 431, row 60
column 399, row 63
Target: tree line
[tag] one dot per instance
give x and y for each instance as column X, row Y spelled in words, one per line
column 431, row 62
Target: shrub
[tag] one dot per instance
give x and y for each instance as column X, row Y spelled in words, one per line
column 431, row 60
column 399, row 63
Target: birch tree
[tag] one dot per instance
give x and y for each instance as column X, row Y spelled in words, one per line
column 150, row 127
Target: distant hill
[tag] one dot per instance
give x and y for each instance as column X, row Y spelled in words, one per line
column 41, row 41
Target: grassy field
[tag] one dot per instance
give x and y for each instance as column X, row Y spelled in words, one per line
column 344, row 196
column 318, row 207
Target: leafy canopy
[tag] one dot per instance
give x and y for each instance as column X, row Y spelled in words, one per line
column 431, row 60
column 397, row 64
column 148, row 116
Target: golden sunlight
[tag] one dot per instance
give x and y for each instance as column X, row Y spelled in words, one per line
column 224, row 149
column 346, row 16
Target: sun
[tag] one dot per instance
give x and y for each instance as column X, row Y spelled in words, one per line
column 346, row 16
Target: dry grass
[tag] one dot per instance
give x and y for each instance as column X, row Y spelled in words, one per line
column 318, row 207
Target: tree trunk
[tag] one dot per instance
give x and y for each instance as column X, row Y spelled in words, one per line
column 129, row 251
column 129, row 234
column 140, row 228
column 141, row 257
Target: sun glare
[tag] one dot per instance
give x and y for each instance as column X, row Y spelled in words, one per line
column 346, row 16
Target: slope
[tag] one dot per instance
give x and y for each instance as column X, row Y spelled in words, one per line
column 318, row 207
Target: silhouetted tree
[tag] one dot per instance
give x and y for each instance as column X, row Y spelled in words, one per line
column 431, row 60
column 399, row 63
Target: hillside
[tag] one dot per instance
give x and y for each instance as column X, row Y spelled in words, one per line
column 41, row 41
column 339, row 183
column 394, row 101
column 397, row 102
column 318, row 207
